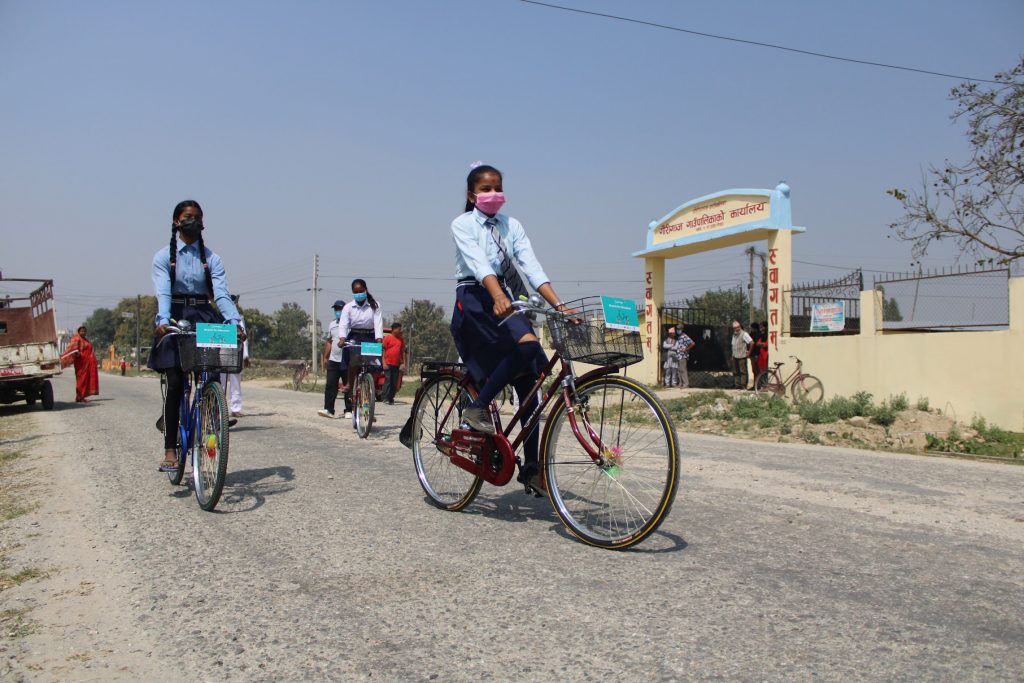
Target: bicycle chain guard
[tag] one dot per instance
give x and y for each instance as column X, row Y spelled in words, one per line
column 488, row 456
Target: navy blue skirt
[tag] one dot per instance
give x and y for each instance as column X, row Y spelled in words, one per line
column 164, row 353
column 480, row 341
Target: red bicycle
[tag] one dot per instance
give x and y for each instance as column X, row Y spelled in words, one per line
column 609, row 452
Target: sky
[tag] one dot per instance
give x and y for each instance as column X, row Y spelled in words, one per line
column 346, row 129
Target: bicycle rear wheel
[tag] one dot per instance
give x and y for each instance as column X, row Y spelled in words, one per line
column 768, row 381
column 210, row 447
column 175, row 475
column 620, row 503
column 808, row 389
column 364, row 406
column 438, row 410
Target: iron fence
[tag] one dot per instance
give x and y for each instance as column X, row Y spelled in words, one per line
column 947, row 299
column 844, row 292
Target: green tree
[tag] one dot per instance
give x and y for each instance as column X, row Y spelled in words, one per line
column 289, row 337
column 427, row 332
column 978, row 204
column 722, row 306
column 102, row 326
column 124, row 337
column 890, row 308
column 259, row 328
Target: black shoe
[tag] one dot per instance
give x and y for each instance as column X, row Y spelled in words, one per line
column 160, row 424
column 232, row 422
column 529, row 477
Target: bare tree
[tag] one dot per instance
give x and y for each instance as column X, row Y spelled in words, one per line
column 978, row 204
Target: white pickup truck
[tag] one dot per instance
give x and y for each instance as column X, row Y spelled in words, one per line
column 29, row 354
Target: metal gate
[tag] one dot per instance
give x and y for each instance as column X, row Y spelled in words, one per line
column 709, row 362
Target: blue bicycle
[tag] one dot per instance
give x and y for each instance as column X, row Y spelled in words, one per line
column 203, row 435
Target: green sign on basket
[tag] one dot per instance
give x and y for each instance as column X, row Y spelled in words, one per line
column 215, row 336
column 620, row 314
column 371, row 349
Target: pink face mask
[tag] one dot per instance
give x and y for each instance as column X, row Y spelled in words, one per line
column 490, row 202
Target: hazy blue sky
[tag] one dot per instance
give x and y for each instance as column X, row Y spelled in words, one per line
column 346, row 129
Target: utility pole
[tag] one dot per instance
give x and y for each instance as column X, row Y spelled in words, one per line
column 312, row 317
column 138, row 322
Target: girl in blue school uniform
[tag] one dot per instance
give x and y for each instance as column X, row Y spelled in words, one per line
column 493, row 262
column 189, row 281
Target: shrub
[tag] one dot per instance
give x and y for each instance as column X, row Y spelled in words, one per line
column 810, row 436
column 899, row 403
column 786, row 428
column 761, row 406
column 922, row 404
column 817, row 413
column 862, row 399
column 884, row 414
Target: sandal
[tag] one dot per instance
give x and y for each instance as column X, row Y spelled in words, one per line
column 168, row 465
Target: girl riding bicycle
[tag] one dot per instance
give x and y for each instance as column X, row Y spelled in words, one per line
column 361, row 320
column 489, row 247
column 188, row 279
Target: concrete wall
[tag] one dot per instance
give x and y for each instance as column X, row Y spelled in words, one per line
column 961, row 373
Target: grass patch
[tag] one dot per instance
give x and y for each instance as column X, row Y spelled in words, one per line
column 761, row 406
column 810, row 436
column 922, row 404
column 14, row 624
column 991, row 441
column 27, row 574
column 885, row 414
column 899, row 403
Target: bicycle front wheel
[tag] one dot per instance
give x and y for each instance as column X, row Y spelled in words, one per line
column 174, row 476
column 364, row 405
column 210, row 447
column 622, row 501
column 438, row 411
column 808, row 389
column 768, row 381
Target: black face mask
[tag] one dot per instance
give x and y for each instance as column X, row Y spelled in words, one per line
column 190, row 228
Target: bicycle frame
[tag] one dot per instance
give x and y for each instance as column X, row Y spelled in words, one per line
column 566, row 380
column 189, row 412
column 792, row 376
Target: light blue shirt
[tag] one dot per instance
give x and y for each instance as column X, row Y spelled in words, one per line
column 189, row 279
column 477, row 256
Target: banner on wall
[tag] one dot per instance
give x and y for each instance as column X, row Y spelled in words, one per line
column 828, row 317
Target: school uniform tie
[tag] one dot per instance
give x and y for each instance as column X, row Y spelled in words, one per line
column 508, row 269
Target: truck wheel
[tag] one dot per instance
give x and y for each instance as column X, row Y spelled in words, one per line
column 46, row 394
column 30, row 395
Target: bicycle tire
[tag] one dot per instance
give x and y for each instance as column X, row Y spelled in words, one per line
column 640, row 476
column 447, row 485
column 365, row 401
column 177, row 474
column 768, row 381
column 210, row 447
column 808, row 389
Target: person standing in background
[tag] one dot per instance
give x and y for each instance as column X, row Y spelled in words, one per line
column 394, row 362
column 741, row 343
column 87, row 377
column 331, row 361
column 232, row 382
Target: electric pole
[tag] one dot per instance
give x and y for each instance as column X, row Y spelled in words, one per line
column 138, row 322
column 312, row 317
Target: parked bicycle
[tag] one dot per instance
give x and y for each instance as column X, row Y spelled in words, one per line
column 804, row 388
column 203, row 437
column 608, row 454
column 364, row 390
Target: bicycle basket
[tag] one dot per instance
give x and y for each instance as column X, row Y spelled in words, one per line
column 212, row 360
column 584, row 337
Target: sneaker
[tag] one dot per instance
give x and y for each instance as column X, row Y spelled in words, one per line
column 348, row 414
column 478, row 419
column 323, row 412
column 232, row 422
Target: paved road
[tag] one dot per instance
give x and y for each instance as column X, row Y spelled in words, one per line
column 324, row 561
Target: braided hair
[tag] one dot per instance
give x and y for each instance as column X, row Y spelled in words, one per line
column 172, row 251
column 369, row 297
column 474, row 175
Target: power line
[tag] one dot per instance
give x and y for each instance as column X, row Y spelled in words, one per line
column 759, row 44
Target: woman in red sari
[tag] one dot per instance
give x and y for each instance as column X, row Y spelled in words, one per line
column 87, row 378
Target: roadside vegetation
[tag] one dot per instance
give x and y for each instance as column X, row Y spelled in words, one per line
column 857, row 421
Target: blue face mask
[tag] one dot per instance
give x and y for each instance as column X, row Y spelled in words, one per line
column 337, row 315
column 359, row 297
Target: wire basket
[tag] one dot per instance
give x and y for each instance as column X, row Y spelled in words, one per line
column 584, row 337
column 194, row 359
